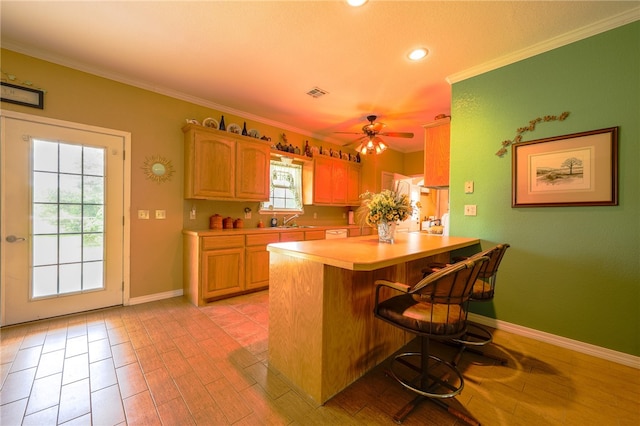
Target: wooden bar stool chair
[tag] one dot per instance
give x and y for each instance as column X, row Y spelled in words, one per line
column 434, row 308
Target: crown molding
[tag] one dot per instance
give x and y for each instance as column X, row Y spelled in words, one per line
column 545, row 46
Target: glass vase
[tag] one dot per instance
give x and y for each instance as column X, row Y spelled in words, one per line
column 386, row 232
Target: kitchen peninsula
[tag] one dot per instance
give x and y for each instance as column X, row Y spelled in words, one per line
column 322, row 332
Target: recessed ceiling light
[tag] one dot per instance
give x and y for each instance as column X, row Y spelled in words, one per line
column 417, row 54
column 356, row 3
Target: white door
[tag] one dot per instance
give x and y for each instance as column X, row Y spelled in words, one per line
column 62, row 219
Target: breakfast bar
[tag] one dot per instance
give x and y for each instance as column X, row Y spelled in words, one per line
column 322, row 332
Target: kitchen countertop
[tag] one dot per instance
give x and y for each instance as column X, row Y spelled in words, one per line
column 367, row 254
column 243, row 231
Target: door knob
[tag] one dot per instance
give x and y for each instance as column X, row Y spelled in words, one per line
column 14, row 239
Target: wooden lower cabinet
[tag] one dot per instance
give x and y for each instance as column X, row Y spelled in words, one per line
column 222, row 272
column 221, row 266
column 257, row 260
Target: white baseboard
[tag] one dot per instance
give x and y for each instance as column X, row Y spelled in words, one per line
column 574, row 345
column 154, row 297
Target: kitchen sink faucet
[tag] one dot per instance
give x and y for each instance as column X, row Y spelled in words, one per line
column 286, row 220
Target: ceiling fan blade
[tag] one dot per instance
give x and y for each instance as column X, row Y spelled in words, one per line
column 354, row 141
column 350, row 133
column 397, row 134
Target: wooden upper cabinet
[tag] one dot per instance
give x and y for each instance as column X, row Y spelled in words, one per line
column 339, row 183
column 353, row 184
column 436, row 153
column 335, row 182
column 220, row 166
column 252, row 171
column 322, row 187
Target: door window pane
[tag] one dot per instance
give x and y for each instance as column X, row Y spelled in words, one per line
column 93, row 163
column 70, row 248
column 45, row 250
column 93, row 275
column 45, row 281
column 92, row 247
column 93, row 190
column 70, row 188
column 70, row 218
column 45, row 218
column 71, row 159
column 45, row 156
column 45, row 187
column 93, row 219
column 70, row 278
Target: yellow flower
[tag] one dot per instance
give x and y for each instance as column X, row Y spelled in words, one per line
column 389, row 206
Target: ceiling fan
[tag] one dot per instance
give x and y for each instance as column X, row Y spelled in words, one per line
column 371, row 142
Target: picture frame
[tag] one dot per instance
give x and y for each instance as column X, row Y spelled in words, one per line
column 21, row 95
column 580, row 169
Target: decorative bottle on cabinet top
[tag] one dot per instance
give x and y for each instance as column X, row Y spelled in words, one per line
column 222, row 125
column 244, row 129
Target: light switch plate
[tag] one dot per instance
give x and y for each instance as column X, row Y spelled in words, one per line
column 468, row 187
column 143, row 214
column 470, row 210
column 161, row 214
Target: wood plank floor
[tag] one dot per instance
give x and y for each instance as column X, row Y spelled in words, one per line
column 172, row 363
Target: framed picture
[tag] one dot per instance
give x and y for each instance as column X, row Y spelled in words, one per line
column 22, row 95
column 580, row 169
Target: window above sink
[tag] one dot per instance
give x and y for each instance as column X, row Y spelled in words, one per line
column 285, row 189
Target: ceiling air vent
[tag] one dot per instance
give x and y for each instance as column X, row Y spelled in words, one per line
column 316, row 92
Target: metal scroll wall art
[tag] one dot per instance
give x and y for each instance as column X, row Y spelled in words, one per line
column 530, row 128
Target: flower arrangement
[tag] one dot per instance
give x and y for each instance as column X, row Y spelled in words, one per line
column 386, row 206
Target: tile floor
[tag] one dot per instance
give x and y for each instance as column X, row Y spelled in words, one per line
column 171, row 363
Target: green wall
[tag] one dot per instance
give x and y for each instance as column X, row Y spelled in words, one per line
column 571, row 271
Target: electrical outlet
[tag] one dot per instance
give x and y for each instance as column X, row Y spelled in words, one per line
column 315, row 215
column 247, row 215
column 192, row 213
column 468, row 187
column 161, row 214
column 143, row 214
column 470, row 210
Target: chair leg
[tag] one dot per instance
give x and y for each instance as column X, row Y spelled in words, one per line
column 476, row 336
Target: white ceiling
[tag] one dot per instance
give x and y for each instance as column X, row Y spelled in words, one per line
column 258, row 59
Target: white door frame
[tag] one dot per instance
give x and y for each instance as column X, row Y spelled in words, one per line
column 126, row 180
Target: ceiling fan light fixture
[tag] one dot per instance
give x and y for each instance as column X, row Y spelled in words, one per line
column 417, row 54
column 374, row 145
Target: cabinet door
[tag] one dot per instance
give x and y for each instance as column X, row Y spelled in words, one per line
column 291, row 236
column 213, row 167
column 353, row 185
column 257, row 258
column 222, row 272
column 322, row 180
column 252, row 171
column 314, row 235
column 339, row 183
column 436, row 155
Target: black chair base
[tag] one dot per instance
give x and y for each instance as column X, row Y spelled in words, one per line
column 406, row 410
column 440, row 380
column 435, row 382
